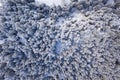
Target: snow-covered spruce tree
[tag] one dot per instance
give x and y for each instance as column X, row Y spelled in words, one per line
column 79, row 41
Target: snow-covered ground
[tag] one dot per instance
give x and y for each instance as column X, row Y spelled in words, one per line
column 0, row 3
column 53, row 2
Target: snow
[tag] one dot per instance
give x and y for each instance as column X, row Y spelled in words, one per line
column 2, row 42
column 53, row 2
column 0, row 4
column 110, row 3
column 58, row 47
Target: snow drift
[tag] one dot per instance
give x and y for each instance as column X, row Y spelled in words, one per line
column 53, row 2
